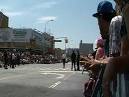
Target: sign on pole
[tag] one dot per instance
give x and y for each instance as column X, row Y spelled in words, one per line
column 57, row 40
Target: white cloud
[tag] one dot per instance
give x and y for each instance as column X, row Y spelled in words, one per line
column 12, row 14
column 47, row 18
column 45, row 5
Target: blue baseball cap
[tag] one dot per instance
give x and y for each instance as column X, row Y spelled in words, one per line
column 104, row 7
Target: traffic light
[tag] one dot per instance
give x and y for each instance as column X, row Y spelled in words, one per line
column 66, row 40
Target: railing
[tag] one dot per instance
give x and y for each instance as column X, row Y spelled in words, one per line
column 97, row 91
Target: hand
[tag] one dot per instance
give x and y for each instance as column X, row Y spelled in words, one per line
column 83, row 58
column 94, row 65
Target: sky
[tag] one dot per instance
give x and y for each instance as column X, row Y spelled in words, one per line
column 72, row 18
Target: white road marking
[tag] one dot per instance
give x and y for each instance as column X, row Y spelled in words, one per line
column 55, row 84
column 45, row 68
column 60, row 75
column 56, row 71
column 17, row 76
column 4, row 78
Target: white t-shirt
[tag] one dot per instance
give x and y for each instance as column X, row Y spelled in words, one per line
column 63, row 56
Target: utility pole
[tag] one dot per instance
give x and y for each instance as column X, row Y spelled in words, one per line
column 45, row 29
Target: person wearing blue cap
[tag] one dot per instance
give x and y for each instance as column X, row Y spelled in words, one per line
column 104, row 8
column 104, row 15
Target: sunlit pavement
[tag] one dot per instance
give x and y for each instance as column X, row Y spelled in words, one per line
column 41, row 80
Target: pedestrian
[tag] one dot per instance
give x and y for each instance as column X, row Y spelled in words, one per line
column 63, row 59
column 78, row 60
column 5, row 59
column 13, row 60
column 18, row 58
column 73, row 59
column 10, row 59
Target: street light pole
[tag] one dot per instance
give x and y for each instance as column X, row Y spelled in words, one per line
column 66, row 41
column 65, row 48
column 45, row 29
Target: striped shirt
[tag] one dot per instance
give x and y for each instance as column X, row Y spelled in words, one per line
column 114, row 49
column 115, row 35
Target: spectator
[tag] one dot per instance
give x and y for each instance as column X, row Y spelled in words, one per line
column 100, row 55
column 123, row 59
column 100, row 49
column 119, row 64
column 5, row 60
column 115, row 43
column 105, row 13
column 89, row 85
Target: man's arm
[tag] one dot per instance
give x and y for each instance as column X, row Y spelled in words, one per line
column 116, row 64
column 121, row 63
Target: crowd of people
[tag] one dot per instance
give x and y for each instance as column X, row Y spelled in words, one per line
column 109, row 65
column 13, row 58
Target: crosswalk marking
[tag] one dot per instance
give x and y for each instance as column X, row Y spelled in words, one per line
column 55, row 84
column 60, row 76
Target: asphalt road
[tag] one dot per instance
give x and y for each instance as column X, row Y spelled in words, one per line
column 41, row 80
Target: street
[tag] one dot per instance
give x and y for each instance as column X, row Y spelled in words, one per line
column 41, row 80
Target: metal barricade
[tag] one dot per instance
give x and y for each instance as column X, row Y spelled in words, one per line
column 97, row 91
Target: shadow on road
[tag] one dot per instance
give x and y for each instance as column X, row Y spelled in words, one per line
column 13, row 90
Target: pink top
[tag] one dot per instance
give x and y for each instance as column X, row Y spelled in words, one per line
column 100, row 53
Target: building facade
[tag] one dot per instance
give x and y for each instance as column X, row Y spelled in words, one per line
column 4, row 21
column 25, row 39
column 48, row 43
column 85, row 48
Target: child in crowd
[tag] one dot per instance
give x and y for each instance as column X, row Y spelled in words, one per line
column 89, row 85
